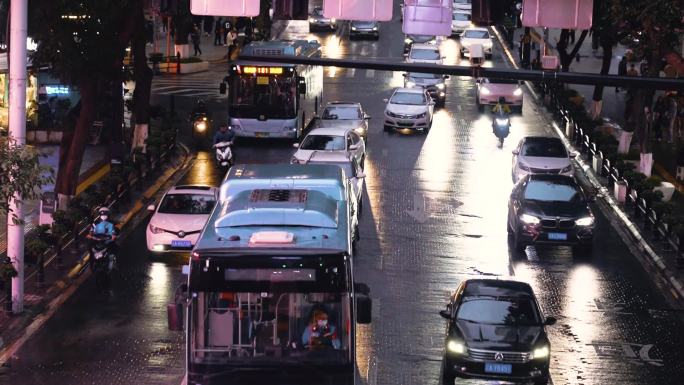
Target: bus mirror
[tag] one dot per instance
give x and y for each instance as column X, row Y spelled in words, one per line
column 222, row 88
column 174, row 314
column 301, row 87
column 362, row 288
column 363, row 309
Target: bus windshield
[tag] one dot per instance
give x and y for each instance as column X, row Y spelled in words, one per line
column 263, row 97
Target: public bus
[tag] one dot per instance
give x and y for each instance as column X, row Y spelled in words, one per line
column 273, row 260
column 274, row 100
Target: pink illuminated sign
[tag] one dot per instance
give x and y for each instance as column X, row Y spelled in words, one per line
column 571, row 14
column 225, row 7
column 427, row 17
column 380, row 10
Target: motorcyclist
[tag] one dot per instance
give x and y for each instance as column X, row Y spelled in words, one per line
column 103, row 226
column 223, row 134
column 501, row 107
column 199, row 109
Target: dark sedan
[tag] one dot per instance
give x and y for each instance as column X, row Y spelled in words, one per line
column 495, row 330
column 550, row 209
column 364, row 29
column 433, row 83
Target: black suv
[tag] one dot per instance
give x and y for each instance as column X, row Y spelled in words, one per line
column 550, row 209
column 496, row 331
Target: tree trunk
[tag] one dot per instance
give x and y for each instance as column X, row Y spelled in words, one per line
column 73, row 144
column 565, row 57
column 143, row 81
column 597, row 98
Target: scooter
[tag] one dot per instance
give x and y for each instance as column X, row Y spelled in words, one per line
column 102, row 259
column 200, row 128
column 224, row 155
column 501, row 127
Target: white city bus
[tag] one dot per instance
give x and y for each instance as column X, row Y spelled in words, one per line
column 274, row 100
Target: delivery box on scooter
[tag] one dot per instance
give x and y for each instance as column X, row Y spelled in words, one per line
column 476, row 53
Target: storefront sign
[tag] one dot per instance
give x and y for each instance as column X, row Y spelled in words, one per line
column 57, row 90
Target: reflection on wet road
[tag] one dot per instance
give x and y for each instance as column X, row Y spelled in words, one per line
column 435, row 214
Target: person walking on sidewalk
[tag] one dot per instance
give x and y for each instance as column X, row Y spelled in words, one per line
column 622, row 69
column 218, row 31
column 659, row 117
column 672, row 116
column 231, row 40
column 195, row 36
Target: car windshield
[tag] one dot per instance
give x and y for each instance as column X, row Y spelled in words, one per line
column 547, row 149
column 342, row 113
column 501, row 81
column 473, row 34
column 507, row 311
column 317, row 12
column 423, row 75
column 410, row 98
column 324, row 142
column 460, row 17
column 421, row 38
column 552, row 191
column 462, row 1
column 263, row 97
column 425, row 54
column 363, row 24
column 187, row 204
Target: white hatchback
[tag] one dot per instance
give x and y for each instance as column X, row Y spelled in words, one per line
column 179, row 218
column 343, row 140
column 541, row 155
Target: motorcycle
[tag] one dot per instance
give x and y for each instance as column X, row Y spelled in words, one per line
column 102, row 259
column 200, row 128
column 224, row 155
column 501, row 125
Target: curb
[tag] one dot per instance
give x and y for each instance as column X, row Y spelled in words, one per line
column 652, row 259
column 76, row 276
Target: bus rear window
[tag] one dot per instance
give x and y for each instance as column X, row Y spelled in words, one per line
column 271, row 275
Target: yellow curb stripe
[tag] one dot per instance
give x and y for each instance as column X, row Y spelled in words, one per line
column 93, row 178
column 668, row 177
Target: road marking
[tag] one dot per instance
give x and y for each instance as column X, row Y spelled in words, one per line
column 370, row 73
column 351, row 72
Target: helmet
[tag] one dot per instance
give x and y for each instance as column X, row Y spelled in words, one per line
column 103, row 210
column 502, row 100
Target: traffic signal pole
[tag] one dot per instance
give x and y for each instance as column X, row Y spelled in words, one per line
column 17, row 131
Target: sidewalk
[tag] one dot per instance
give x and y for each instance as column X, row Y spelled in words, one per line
column 655, row 253
column 68, row 269
column 93, row 166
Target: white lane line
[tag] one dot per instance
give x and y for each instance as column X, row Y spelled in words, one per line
column 370, row 73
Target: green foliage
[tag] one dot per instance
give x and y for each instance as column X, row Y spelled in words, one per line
column 653, row 181
column 35, row 247
column 7, row 271
column 20, row 173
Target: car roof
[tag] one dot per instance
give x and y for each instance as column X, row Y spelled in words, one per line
column 364, row 22
column 343, row 104
column 330, row 157
column 330, row 131
column 541, row 139
column 424, row 46
column 564, row 179
column 496, row 287
column 193, row 189
column 477, row 29
column 410, row 90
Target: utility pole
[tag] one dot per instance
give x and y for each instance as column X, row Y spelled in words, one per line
column 17, row 131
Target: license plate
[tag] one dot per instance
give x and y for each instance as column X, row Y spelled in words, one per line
column 179, row 243
column 558, row 236
column 224, row 163
column 491, row 367
column 261, row 134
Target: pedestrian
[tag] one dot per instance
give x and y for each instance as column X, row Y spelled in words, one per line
column 632, row 70
column 227, row 26
column 672, row 116
column 622, row 69
column 208, row 25
column 659, row 117
column 195, row 36
column 218, row 31
column 232, row 41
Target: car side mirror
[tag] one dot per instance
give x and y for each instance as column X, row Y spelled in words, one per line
column 446, row 77
column 550, row 321
column 385, row 100
column 150, row 208
column 295, row 145
column 404, row 74
column 445, row 314
column 364, row 309
column 515, row 152
column 367, row 117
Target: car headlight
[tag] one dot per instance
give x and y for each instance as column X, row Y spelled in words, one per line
column 567, row 168
column 433, row 41
column 456, row 347
column 201, row 126
column 333, row 20
column 410, row 84
column 353, row 28
column 360, row 130
column 529, row 219
column 311, row 20
column 408, row 41
column 440, row 86
column 375, row 28
column 155, row 230
column 585, row 222
column 539, row 353
column 485, row 91
column 517, row 92
column 390, row 113
column 294, row 160
column 289, row 128
column 488, row 44
column 419, row 116
column 523, row 167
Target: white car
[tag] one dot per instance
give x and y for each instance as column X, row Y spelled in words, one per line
column 475, row 35
column 541, row 155
column 424, row 53
column 460, row 20
column 409, row 109
column 342, row 140
column 345, row 114
column 490, row 90
column 179, row 218
column 463, row 4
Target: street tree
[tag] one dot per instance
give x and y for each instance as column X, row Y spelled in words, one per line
column 21, row 173
column 83, row 43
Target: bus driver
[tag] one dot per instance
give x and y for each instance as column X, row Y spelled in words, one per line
column 319, row 334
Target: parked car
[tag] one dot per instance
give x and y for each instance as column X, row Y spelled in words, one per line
column 418, row 39
column 346, row 114
column 475, row 35
column 330, row 139
column 364, row 29
column 490, row 90
column 550, row 209
column 180, row 217
column 424, row 53
column 319, row 22
column 460, row 20
column 433, row 83
column 496, row 330
column 409, row 109
column 541, row 155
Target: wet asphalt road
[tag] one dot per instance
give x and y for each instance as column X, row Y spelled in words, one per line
column 435, row 212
